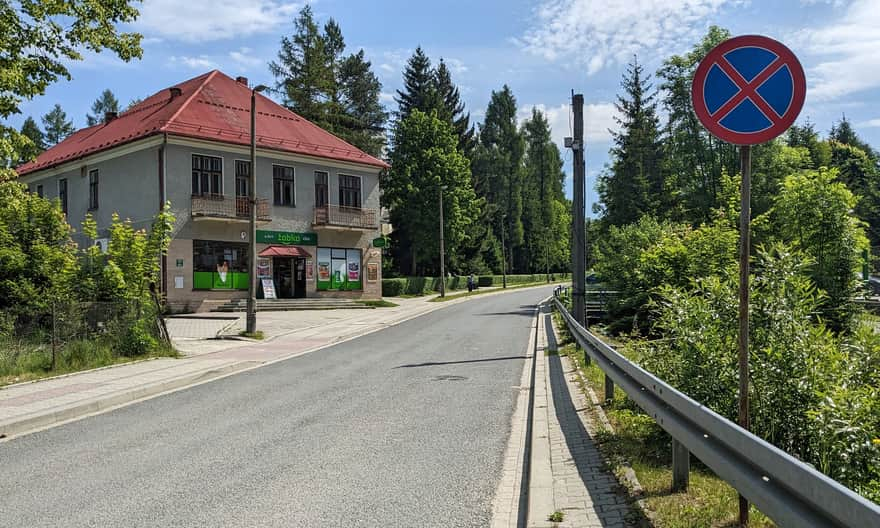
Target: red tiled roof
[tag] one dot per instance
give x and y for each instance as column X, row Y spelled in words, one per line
column 284, row 251
column 212, row 106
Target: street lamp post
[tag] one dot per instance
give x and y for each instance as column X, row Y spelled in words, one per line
column 251, row 325
column 442, row 248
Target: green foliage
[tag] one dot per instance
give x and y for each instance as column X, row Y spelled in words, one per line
column 107, row 102
column 425, row 158
column 338, row 93
column 30, row 130
column 812, row 393
column 812, row 212
column 41, row 39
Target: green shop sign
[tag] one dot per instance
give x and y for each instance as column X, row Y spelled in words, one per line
column 287, row 238
column 380, row 242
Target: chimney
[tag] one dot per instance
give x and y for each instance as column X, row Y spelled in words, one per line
column 242, row 80
column 109, row 116
column 175, row 91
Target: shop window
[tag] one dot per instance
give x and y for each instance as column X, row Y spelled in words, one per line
column 207, row 175
column 349, row 191
column 339, row 269
column 220, row 265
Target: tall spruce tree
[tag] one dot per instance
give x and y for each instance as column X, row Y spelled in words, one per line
column 57, row 126
column 32, row 131
column 107, row 102
column 418, row 86
column 542, row 197
column 498, row 173
column 452, row 108
column 634, row 184
column 337, row 92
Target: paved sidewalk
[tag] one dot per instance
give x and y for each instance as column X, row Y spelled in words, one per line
column 27, row 407
column 569, row 474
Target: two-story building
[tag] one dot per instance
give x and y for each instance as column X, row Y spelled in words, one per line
column 317, row 196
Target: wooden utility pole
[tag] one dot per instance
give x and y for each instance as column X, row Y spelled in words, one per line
column 578, row 260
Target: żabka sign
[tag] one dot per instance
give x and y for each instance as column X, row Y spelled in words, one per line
column 748, row 90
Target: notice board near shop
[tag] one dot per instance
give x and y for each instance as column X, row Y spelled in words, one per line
column 268, row 289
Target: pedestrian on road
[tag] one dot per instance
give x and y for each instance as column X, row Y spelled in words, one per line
column 470, row 282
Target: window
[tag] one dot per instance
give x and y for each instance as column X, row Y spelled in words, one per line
column 220, row 265
column 339, row 269
column 349, row 191
column 93, row 189
column 207, row 175
column 282, row 179
column 242, row 177
column 62, row 194
column 321, row 193
column 40, row 190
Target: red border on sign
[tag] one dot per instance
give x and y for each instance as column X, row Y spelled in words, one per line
column 785, row 57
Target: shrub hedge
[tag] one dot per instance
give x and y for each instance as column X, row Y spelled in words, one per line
column 426, row 285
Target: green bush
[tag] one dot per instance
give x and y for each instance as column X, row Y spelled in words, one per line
column 426, row 285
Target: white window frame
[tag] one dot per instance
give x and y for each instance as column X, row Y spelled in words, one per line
column 339, row 188
column 235, row 175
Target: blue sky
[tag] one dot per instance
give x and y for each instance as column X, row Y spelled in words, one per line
column 542, row 49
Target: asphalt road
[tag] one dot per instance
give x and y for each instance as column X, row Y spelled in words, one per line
column 401, row 428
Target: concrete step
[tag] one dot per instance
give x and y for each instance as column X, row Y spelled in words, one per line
column 266, row 305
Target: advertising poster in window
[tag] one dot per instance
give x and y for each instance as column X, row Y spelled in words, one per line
column 263, row 268
column 372, row 272
column 323, row 268
column 310, row 270
column 353, row 267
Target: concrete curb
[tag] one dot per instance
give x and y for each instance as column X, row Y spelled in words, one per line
column 541, row 500
column 64, row 414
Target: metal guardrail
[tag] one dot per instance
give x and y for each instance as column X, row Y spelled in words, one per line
column 790, row 492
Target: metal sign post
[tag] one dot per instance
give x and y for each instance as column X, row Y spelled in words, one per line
column 747, row 91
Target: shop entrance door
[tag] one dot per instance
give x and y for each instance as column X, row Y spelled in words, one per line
column 283, row 275
column 299, row 278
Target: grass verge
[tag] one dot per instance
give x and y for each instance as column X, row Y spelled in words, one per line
column 252, row 335
column 639, row 442
column 382, row 303
column 24, row 361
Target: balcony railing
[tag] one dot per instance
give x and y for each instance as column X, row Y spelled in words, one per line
column 340, row 216
column 219, row 206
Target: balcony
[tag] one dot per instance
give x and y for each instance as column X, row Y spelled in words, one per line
column 337, row 216
column 219, row 207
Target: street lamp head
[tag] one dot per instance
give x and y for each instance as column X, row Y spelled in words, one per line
column 260, row 88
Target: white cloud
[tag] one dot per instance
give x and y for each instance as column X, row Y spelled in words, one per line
column 209, row 20
column 202, row 62
column 847, row 50
column 245, row 59
column 598, row 118
column 456, row 66
column 871, row 123
column 599, row 33
column 386, row 97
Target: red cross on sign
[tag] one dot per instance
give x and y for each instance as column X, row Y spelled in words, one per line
column 748, row 90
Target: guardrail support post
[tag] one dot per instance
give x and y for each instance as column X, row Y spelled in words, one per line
column 609, row 389
column 681, row 466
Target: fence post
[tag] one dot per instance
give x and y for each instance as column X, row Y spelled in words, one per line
column 681, row 466
column 609, row 389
